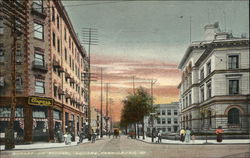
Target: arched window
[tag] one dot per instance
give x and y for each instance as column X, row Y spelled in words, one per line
column 234, row 116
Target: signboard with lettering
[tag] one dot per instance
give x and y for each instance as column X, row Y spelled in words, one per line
column 40, row 101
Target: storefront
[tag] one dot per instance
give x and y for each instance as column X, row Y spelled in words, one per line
column 42, row 118
column 18, row 124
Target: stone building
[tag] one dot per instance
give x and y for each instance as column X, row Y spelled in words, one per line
column 214, row 90
column 167, row 118
column 50, row 67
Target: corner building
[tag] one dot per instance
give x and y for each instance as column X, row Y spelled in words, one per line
column 214, row 90
column 51, row 68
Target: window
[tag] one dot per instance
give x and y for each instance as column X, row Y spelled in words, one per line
column 54, row 39
column 1, row 81
column 190, row 98
column 38, row 31
column 18, row 82
column 58, row 45
column 169, row 120
column 233, row 61
column 39, row 59
column 202, row 74
column 169, row 129
column 65, row 34
column 208, row 67
column 163, row 129
column 18, row 52
column 202, row 94
column 53, row 14
column 163, row 121
column 158, row 121
column 209, row 90
column 175, row 112
column 55, row 91
column 39, row 87
column 175, row 121
column 234, row 116
column 38, row 6
column 233, row 87
column 1, row 25
column 58, row 21
column 169, row 112
column 1, row 54
column 65, row 54
column 163, row 112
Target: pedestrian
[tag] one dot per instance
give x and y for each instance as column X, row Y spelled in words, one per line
column 81, row 137
column 93, row 136
column 187, row 135
column 193, row 138
column 219, row 131
column 182, row 134
column 159, row 136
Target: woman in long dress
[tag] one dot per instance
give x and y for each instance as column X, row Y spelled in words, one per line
column 182, row 135
column 188, row 135
column 219, row 131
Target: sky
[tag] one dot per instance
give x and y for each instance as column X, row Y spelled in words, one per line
column 147, row 39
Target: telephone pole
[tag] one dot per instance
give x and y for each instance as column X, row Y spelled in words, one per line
column 101, row 105
column 107, row 103
column 89, row 38
column 13, row 13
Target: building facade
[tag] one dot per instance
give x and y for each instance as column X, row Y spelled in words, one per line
column 167, row 118
column 214, row 90
column 51, row 66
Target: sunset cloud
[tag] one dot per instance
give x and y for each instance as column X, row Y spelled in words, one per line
column 119, row 72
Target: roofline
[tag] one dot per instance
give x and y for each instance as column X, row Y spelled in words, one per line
column 67, row 21
column 205, row 43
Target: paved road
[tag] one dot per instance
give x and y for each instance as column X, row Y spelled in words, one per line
column 128, row 148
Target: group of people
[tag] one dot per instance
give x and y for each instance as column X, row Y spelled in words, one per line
column 158, row 135
column 186, row 135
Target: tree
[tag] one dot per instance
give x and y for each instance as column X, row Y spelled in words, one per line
column 136, row 106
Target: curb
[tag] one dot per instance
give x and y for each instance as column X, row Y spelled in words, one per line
column 193, row 144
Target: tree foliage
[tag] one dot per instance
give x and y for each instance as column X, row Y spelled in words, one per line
column 136, row 106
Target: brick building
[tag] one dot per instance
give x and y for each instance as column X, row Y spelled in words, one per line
column 51, row 86
column 214, row 90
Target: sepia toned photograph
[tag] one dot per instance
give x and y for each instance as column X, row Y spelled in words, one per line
column 124, row 79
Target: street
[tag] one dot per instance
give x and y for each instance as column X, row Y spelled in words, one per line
column 130, row 148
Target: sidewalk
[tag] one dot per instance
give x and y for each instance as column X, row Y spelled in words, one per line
column 47, row 145
column 225, row 141
column 43, row 145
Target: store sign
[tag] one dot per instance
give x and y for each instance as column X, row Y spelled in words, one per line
column 40, row 101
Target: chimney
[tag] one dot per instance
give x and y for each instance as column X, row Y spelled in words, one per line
column 210, row 31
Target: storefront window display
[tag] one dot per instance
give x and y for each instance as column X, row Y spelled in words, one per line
column 40, row 124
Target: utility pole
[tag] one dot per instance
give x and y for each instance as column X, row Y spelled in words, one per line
column 89, row 38
column 13, row 14
column 133, row 84
column 101, row 105
column 152, row 103
column 110, row 111
column 152, row 90
column 107, row 103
